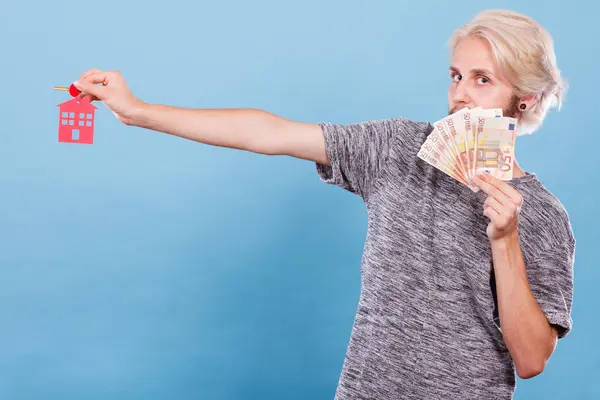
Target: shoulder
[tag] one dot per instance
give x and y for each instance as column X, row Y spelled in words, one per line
column 392, row 125
column 389, row 129
column 544, row 214
column 406, row 135
column 401, row 135
column 410, row 128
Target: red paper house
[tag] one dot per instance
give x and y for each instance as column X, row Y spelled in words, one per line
column 76, row 121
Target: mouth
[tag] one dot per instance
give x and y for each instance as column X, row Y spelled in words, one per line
column 460, row 107
column 455, row 109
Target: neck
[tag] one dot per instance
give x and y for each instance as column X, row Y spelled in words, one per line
column 517, row 171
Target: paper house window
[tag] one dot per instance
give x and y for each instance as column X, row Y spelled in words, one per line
column 76, row 121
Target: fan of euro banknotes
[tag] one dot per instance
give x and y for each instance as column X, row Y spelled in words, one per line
column 470, row 141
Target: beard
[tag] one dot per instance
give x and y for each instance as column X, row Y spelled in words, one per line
column 455, row 109
column 512, row 110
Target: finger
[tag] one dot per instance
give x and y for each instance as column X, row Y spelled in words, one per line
column 89, row 84
column 505, row 188
column 507, row 212
column 494, row 204
column 491, row 190
column 88, row 73
column 97, row 77
column 492, row 214
column 90, row 97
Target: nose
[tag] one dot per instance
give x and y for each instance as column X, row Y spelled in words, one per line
column 461, row 94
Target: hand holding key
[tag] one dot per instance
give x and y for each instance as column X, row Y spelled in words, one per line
column 112, row 91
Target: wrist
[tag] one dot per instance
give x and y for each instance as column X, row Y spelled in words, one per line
column 137, row 113
column 505, row 242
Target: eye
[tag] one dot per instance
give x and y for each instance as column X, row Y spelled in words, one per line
column 482, row 80
column 455, row 77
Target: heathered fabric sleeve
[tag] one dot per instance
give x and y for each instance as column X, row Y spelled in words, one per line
column 357, row 153
column 550, row 276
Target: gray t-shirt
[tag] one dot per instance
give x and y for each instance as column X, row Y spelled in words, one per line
column 427, row 324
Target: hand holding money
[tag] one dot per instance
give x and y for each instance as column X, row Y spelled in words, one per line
column 470, row 141
column 502, row 206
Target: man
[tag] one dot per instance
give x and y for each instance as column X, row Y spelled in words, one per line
column 460, row 289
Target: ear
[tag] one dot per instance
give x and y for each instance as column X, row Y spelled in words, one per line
column 528, row 101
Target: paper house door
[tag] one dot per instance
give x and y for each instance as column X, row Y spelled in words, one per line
column 76, row 121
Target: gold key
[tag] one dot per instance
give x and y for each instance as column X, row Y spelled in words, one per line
column 73, row 91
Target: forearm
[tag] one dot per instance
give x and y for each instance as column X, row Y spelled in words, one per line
column 526, row 330
column 245, row 129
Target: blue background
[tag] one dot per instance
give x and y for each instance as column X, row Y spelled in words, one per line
column 148, row 266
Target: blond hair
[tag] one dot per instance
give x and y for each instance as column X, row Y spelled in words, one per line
column 524, row 51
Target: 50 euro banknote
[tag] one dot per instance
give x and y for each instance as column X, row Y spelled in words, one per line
column 463, row 143
column 495, row 147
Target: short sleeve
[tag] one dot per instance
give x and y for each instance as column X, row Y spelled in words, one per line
column 357, row 152
column 550, row 276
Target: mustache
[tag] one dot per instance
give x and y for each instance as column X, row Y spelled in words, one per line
column 456, row 108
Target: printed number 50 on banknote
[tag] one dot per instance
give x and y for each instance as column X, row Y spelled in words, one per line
column 495, row 151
